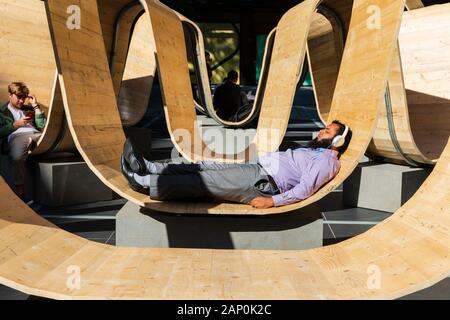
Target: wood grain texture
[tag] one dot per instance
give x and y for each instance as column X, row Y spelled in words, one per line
column 289, row 50
column 410, row 251
column 138, row 75
column 27, row 55
column 206, row 105
column 109, row 11
column 418, row 85
column 325, row 47
column 56, row 136
column 88, row 94
column 131, row 56
column 325, row 50
column 414, row 4
column 95, row 122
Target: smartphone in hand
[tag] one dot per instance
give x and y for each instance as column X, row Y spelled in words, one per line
column 30, row 115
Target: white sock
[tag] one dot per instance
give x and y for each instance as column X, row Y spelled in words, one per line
column 142, row 180
column 151, row 167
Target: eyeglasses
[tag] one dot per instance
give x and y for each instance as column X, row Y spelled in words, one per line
column 21, row 97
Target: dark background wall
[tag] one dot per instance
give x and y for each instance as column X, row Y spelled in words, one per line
column 255, row 17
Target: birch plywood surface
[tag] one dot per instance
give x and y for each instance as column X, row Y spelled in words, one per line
column 138, row 74
column 26, row 55
column 88, row 94
column 287, row 59
column 417, row 83
column 425, row 46
column 418, row 88
column 96, row 125
column 112, row 12
column 409, row 251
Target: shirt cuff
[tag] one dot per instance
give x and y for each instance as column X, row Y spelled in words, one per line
column 278, row 200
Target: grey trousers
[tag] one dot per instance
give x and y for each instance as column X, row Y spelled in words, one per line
column 18, row 152
column 227, row 182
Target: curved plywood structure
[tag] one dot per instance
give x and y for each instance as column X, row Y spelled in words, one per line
column 326, row 41
column 418, row 87
column 130, row 48
column 26, row 47
column 138, row 75
column 407, row 252
column 27, row 55
column 56, row 136
column 289, row 49
column 325, row 45
column 414, row 4
column 117, row 18
column 95, row 122
column 413, row 134
column 284, row 92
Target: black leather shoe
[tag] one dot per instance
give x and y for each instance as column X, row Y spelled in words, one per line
column 128, row 174
column 134, row 158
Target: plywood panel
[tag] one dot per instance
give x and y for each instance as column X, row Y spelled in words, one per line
column 138, row 74
column 27, row 56
column 407, row 252
column 419, row 69
column 96, row 126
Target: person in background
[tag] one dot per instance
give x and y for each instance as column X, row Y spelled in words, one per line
column 228, row 97
column 20, row 129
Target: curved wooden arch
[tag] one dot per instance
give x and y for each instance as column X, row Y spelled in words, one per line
column 131, row 55
column 117, row 18
column 95, row 122
column 285, row 93
column 326, row 41
column 414, row 99
column 138, row 75
column 180, row 114
column 27, row 55
column 418, row 90
column 410, row 251
column 414, row 4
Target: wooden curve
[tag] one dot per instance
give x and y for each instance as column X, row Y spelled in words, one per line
column 417, row 90
column 355, row 88
column 407, row 131
column 410, row 251
column 130, row 48
column 95, row 122
column 205, row 105
column 138, row 75
column 289, row 50
column 27, row 56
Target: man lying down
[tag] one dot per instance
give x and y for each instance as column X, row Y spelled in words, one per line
column 276, row 179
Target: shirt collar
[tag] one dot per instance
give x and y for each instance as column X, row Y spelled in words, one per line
column 332, row 153
column 10, row 107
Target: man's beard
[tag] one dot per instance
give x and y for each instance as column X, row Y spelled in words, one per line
column 316, row 144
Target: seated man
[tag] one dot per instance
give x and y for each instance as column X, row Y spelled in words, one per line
column 20, row 127
column 277, row 179
column 228, row 98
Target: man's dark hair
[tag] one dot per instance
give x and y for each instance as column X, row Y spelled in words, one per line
column 232, row 76
column 348, row 137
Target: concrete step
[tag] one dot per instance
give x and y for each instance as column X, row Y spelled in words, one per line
column 383, row 187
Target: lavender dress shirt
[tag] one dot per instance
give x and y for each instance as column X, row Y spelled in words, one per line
column 299, row 173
